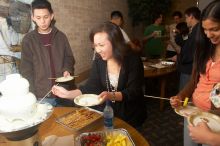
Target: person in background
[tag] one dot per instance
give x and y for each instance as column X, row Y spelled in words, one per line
column 205, row 75
column 182, row 32
column 172, row 48
column 45, row 54
column 117, row 18
column 117, row 74
column 154, row 45
column 187, row 51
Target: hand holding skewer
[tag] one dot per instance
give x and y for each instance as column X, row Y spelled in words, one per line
column 175, row 101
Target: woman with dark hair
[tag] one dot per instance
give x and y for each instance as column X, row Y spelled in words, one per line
column 116, row 75
column 182, row 33
column 206, row 73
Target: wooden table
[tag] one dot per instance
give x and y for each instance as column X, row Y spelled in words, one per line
column 50, row 127
column 151, row 72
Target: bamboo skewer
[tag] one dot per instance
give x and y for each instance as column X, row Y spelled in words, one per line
column 46, row 94
column 149, row 96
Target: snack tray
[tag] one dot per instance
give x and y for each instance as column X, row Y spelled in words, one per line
column 86, row 126
column 107, row 133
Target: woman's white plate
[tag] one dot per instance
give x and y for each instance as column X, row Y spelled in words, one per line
column 167, row 63
column 64, row 79
column 187, row 110
column 87, row 100
column 213, row 121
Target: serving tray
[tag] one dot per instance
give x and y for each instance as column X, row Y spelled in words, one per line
column 105, row 137
column 81, row 119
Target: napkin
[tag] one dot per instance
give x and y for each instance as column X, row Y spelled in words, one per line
column 54, row 140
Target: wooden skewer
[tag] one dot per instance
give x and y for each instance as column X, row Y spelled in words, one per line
column 160, row 98
column 56, row 78
column 46, row 94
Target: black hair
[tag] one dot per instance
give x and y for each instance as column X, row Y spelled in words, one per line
column 119, row 47
column 177, row 13
column 205, row 49
column 116, row 14
column 183, row 28
column 41, row 4
column 193, row 11
column 156, row 15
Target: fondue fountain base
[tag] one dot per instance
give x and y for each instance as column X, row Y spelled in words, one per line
column 32, row 141
column 25, row 137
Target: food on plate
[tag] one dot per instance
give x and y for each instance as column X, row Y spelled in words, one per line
column 213, row 121
column 185, row 101
column 115, row 137
column 79, row 118
column 204, row 119
column 64, row 79
column 87, row 100
column 92, row 140
column 116, row 140
column 186, row 111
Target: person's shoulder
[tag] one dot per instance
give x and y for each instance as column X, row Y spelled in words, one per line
column 98, row 59
column 149, row 26
column 57, row 31
column 173, row 25
column 30, row 35
column 195, row 28
column 122, row 30
column 161, row 26
column 131, row 56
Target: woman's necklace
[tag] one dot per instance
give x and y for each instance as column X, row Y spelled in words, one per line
column 110, row 88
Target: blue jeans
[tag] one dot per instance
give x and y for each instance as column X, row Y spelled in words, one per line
column 184, row 78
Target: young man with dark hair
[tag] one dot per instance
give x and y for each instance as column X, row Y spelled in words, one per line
column 187, row 52
column 172, row 48
column 46, row 53
column 117, row 18
column 154, row 46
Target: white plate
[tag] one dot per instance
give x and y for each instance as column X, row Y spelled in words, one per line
column 187, row 110
column 87, row 100
column 213, row 121
column 168, row 63
column 64, row 79
column 158, row 65
column 143, row 58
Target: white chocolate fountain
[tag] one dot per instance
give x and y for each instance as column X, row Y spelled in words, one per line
column 20, row 114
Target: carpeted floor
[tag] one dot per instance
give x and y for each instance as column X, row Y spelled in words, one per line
column 162, row 128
